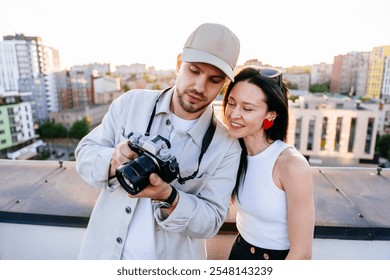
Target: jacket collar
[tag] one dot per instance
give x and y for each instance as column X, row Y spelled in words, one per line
column 198, row 131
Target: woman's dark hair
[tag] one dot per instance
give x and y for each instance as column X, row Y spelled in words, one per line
column 276, row 98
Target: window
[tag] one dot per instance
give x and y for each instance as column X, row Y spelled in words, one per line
column 323, row 133
column 338, row 134
column 370, row 128
column 298, row 128
column 310, row 135
column 352, row 135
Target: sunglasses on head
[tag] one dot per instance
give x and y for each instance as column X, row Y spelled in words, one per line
column 272, row 73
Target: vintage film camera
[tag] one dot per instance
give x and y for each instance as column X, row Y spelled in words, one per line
column 154, row 156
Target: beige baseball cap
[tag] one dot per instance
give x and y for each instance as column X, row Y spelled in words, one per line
column 214, row 44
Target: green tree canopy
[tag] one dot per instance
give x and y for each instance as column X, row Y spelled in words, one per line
column 53, row 130
column 291, row 85
column 383, row 146
column 323, row 88
column 79, row 129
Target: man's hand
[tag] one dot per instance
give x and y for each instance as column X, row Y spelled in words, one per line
column 157, row 190
column 121, row 155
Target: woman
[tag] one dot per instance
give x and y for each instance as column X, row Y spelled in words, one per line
column 274, row 187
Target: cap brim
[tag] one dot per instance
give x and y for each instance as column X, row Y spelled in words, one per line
column 194, row 55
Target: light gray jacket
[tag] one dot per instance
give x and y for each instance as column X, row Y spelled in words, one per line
column 203, row 202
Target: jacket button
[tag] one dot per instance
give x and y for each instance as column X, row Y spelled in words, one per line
column 168, row 122
column 252, row 249
column 266, row 256
column 119, row 240
column 128, row 210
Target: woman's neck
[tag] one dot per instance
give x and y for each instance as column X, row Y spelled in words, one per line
column 256, row 143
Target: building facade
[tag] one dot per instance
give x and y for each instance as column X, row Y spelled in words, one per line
column 68, row 117
column 349, row 74
column 106, row 89
column 75, row 86
column 26, row 65
column 378, row 75
column 16, row 122
column 302, row 80
column 333, row 127
column 320, row 73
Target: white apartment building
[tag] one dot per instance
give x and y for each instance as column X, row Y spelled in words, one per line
column 26, row 65
column 383, row 109
column 106, row 89
column 332, row 129
column 126, row 71
column 15, row 70
column 51, row 65
column 386, row 80
column 16, row 121
column 92, row 69
column 302, row 80
column 320, row 73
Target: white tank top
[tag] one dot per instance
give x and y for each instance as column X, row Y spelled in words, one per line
column 262, row 208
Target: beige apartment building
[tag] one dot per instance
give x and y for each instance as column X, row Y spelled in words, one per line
column 332, row 130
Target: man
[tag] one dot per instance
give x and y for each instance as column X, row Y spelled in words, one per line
column 166, row 220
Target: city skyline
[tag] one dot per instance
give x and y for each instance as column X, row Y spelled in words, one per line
column 282, row 33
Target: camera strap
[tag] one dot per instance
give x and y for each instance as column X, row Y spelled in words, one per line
column 147, row 133
column 205, row 142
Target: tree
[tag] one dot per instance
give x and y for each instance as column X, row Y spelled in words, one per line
column 53, row 130
column 125, row 88
column 293, row 97
column 324, row 88
column 383, row 146
column 79, row 129
column 156, row 86
column 291, row 85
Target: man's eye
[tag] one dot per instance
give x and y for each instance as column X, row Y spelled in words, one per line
column 215, row 81
column 194, row 70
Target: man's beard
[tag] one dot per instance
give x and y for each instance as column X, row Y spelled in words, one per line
column 188, row 107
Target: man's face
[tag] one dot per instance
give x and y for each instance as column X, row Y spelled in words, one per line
column 197, row 85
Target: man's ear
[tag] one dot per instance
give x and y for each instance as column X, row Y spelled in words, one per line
column 178, row 62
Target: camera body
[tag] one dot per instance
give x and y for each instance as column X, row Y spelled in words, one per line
column 154, row 156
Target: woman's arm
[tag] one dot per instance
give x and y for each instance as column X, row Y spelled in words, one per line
column 296, row 179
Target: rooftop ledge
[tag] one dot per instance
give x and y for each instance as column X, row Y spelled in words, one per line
column 351, row 203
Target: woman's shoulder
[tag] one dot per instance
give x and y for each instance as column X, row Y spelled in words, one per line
column 292, row 170
column 290, row 159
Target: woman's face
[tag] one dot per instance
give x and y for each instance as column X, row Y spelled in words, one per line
column 246, row 110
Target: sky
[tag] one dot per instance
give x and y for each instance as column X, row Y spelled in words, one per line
column 152, row 32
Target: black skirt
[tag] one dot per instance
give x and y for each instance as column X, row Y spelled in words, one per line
column 242, row 250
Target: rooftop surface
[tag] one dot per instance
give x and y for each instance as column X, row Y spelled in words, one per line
column 351, row 203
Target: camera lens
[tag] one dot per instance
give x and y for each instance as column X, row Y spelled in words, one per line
column 134, row 176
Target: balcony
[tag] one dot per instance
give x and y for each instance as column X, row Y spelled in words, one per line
column 45, row 208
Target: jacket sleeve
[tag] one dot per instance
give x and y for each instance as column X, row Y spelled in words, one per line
column 93, row 153
column 202, row 215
